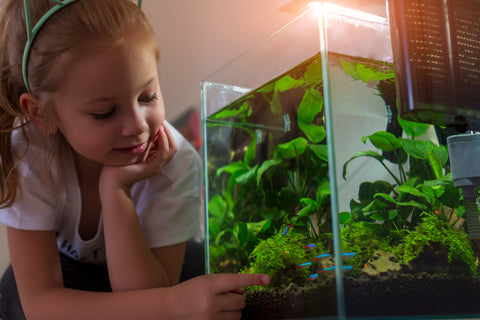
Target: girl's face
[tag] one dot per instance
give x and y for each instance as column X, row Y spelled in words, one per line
column 110, row 106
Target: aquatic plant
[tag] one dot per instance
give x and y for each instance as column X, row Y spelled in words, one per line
column 426, row 185
column 286, row 257
column 436, row 232
column 274, row 177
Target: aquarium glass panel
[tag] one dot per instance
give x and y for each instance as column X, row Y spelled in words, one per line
column 312, row 177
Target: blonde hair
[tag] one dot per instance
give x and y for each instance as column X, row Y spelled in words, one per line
column 62, row 37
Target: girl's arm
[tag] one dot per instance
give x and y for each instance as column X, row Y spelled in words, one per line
column 36, row 265
column 131, row 263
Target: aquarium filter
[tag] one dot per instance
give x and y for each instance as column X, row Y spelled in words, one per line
column 464, row 152
column 436, row 49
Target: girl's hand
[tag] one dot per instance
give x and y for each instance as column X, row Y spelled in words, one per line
column 160, row 150
column 212, row 296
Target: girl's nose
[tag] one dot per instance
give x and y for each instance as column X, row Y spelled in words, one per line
column 134, row 123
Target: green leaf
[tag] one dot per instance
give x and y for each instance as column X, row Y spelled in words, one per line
column 292, row 149
column 417, row 148
column 313, row 74
column 232, row 168
column 287, row 82
column 385, row 197
column 217, row 206
column 323, row 193
column 275, row 105
column 383, row 140
column 368, row 153
column 359, row 71
column 250, row 153
column 320, row 150
column 344, row 217
column 442, row 153
column 436, row 164
column 242, row 112
column 410, row 190
column 368, row 190
column 267, row 164
column 314, row 133
column 310, row 106
column 247, row 176
column 306, row 211
column 411, row 203
column 256, row 228
column 413, row 129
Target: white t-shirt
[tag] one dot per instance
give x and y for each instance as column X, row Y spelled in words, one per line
column 168, row 204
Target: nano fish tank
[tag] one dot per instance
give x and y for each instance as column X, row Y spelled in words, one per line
column 312, row 177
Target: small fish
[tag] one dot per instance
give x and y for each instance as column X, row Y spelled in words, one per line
column 286, row 229
column 312, row 277
column 347, row 255
column 322, row 256
column 304, row 265
column 344, row 268
column 310, row 246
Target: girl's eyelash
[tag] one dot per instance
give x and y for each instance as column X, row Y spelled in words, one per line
column 149, row 98
column 103, row 116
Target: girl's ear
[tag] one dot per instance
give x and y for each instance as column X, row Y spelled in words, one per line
column 31, row 106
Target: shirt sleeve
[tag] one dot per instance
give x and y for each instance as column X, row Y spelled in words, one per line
column 37, row 205
column 169, row 204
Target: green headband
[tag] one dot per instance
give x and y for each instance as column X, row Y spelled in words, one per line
column 31, row 33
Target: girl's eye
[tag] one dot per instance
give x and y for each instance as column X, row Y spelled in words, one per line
column 103, row 116
column 148, row 99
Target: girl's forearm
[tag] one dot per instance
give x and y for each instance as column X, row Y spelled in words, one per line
column 131, row 263
column 62, row 303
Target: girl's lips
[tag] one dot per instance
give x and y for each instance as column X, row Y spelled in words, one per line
column 135, row 150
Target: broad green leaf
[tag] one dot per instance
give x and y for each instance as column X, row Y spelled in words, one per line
column 411, row 203
column 383, row 140
column 436, row 164
column 275, row 105
column 250, row 153
column 410, row 190
column 320, row 150
column 310, row 106
column 368, row 190
column 375, row 205
column 306, row 211
column 259, row 227
column 314, row 133
column 267, row 164
column 385, row 197
column 287, row 82
column 309, row 202
column 442, row 153
column 291, row 149
column 413, row 129
column 242, row 112
column 417, row 148
column 247, row 176
column 323, row 193
column 367, row 74
column 217, row 207
column 344, row 217
column 232, row 168
column 368, row 153
column 359, row 71
column 378, row 217
column 314, row 72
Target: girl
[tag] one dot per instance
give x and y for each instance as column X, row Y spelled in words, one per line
column 90, row 168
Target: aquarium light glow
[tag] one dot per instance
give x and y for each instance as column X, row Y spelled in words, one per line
column 359, row 16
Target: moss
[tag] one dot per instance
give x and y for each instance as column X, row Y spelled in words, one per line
column 280, row 255
column 436, row 234
column 363, row 238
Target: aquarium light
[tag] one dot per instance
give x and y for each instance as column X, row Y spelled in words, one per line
column 347, row 12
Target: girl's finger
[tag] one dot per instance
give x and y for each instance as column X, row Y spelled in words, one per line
column 231, row 302
column 171, row 140
column 229, row 282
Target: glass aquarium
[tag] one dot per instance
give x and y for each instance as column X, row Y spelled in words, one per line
column 312, row 177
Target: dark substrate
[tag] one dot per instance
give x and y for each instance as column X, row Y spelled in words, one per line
column 420, row 294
